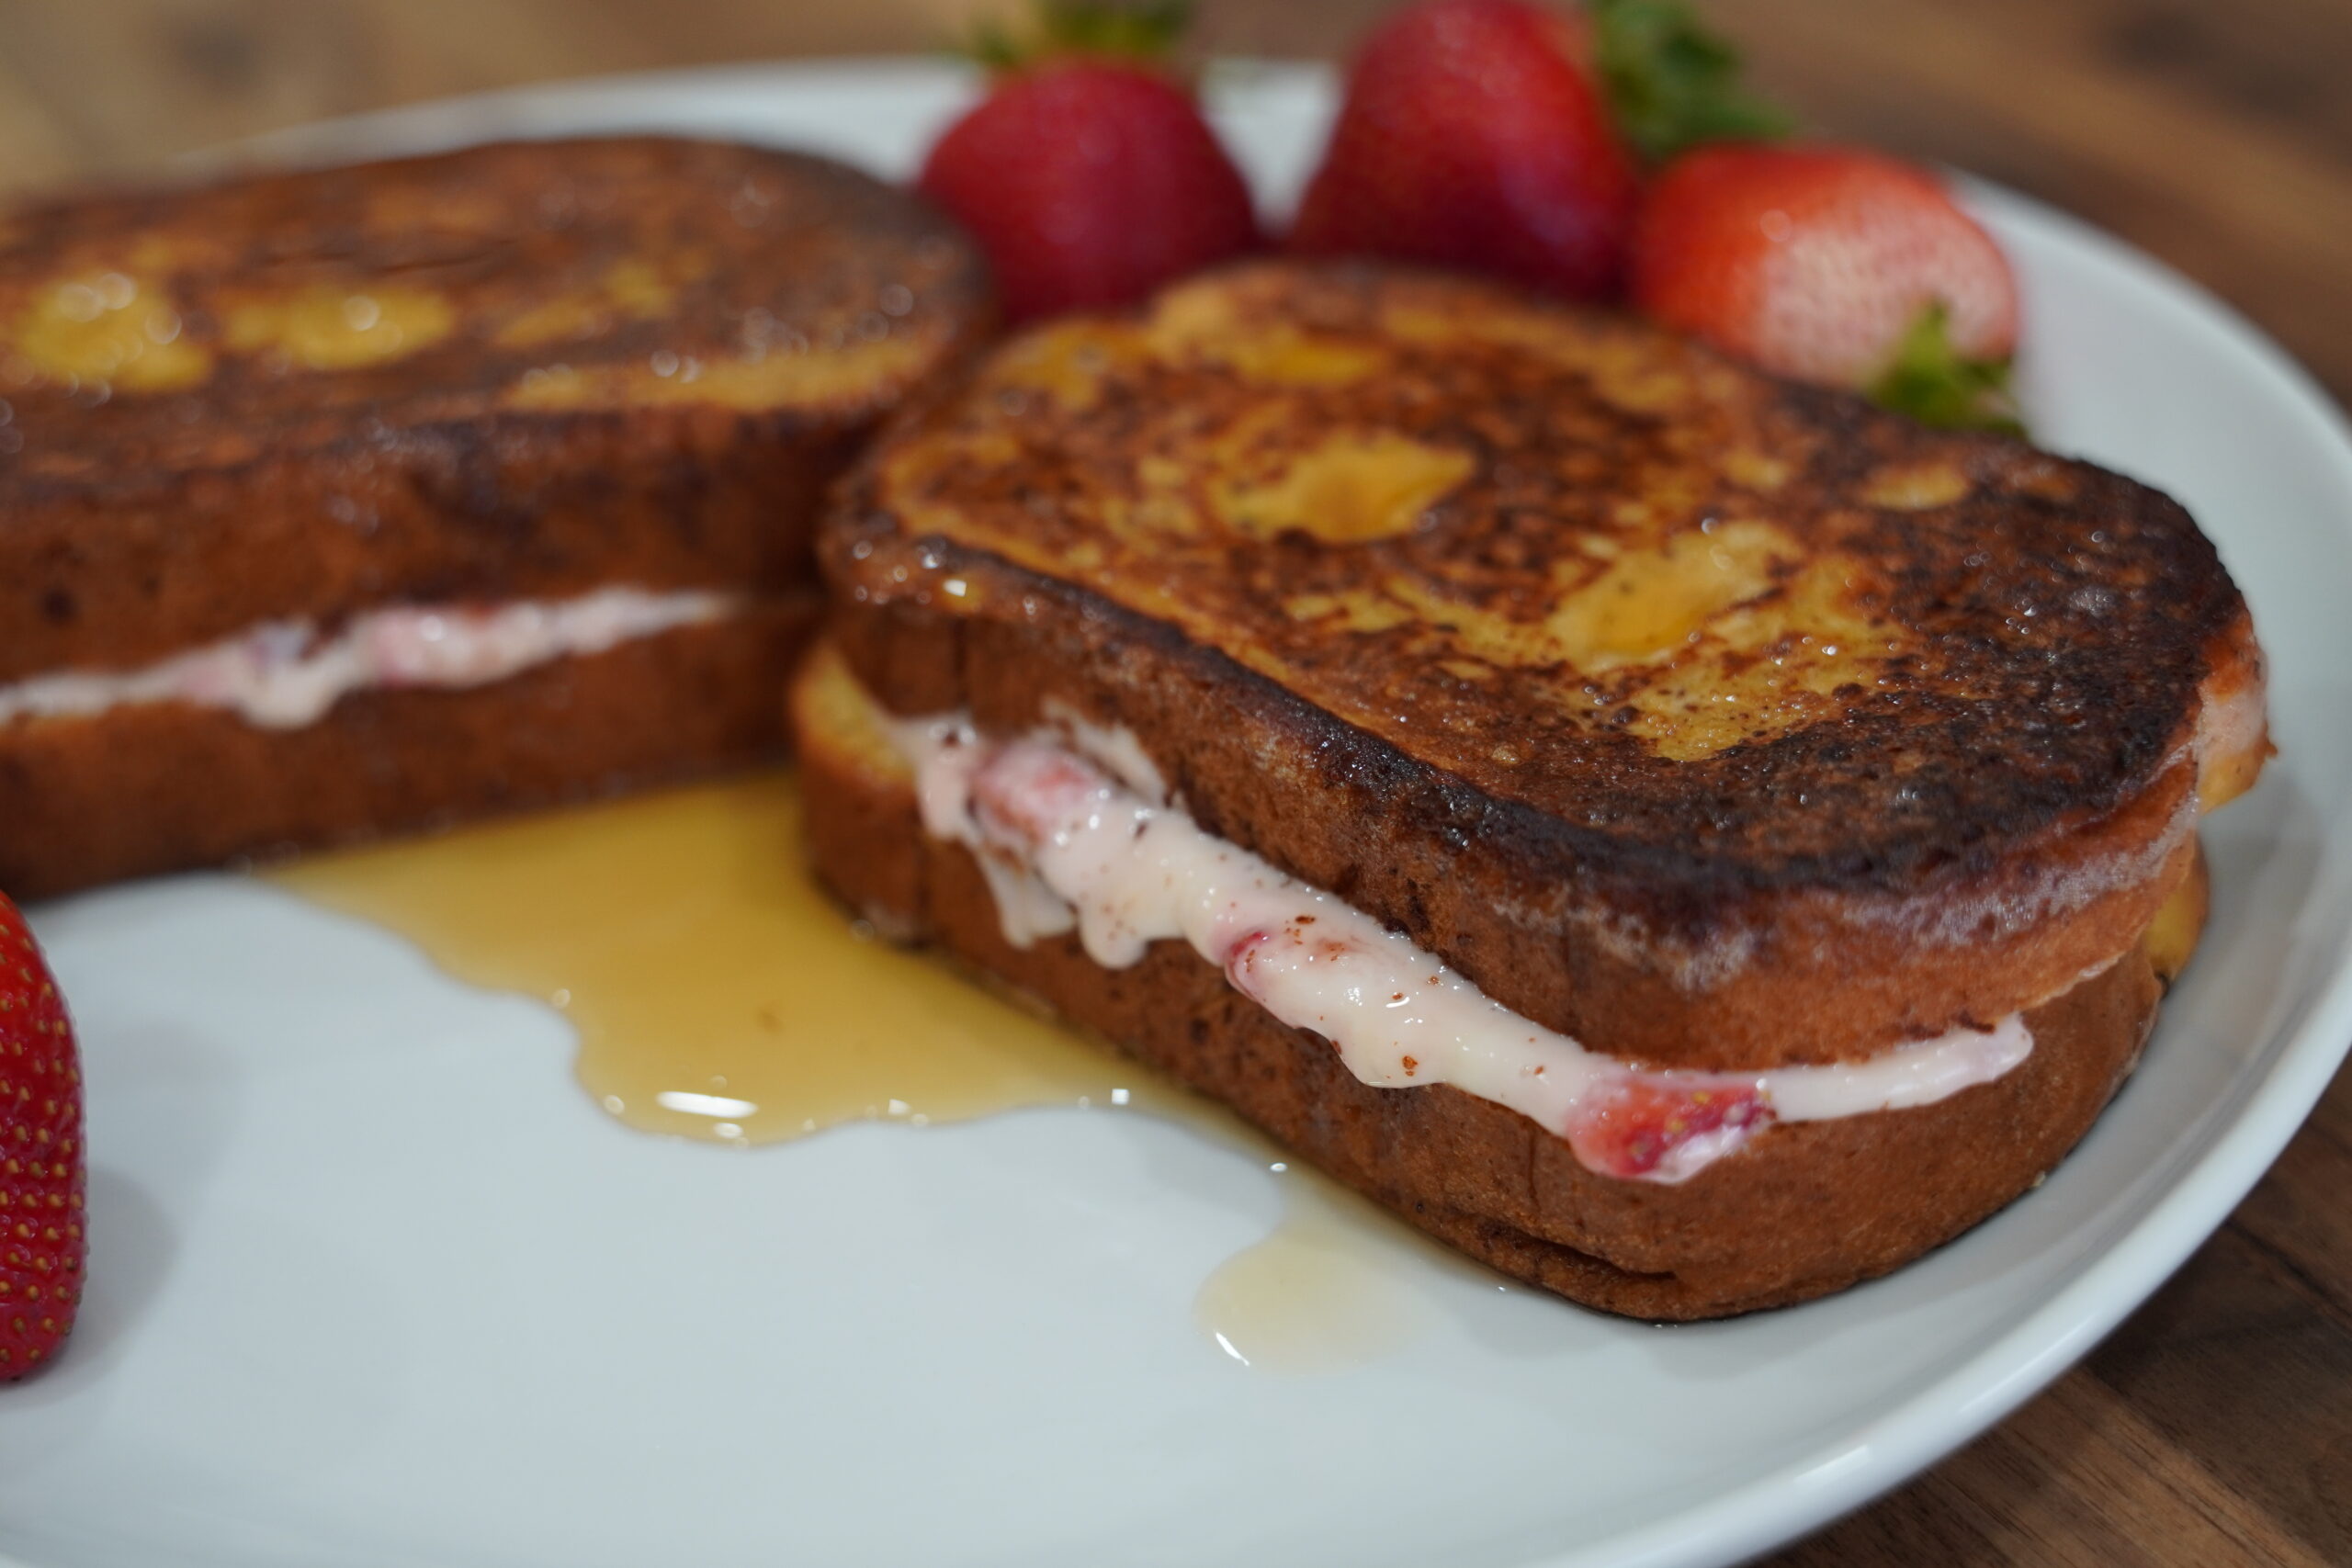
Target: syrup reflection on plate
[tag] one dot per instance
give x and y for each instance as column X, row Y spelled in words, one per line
column 1328, row 1288
column 718, row 995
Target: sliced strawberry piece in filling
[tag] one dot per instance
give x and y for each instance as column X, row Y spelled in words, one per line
column 1640, row 1124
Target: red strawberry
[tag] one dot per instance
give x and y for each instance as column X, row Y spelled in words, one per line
column 1635, row 1127
column 42, row 1242
column 1476, row 134
column 1836, row 265
column 1088, row 180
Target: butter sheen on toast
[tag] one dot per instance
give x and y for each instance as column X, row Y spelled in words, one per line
column 1722, row 726
column 512, row 375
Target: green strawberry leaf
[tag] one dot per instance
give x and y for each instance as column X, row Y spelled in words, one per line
column 1935, row 384
column 1671, row 83
column 991, row 44
column 1144, row 30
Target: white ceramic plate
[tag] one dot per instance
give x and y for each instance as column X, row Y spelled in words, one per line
column 374, row 1284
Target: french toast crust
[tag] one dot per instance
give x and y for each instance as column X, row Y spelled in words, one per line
column 166, row 786
column 1776, row 977
column 515, row 510
column 2056, row 619
column 1805, row 1210
column 2001, row 812
column 515, row 370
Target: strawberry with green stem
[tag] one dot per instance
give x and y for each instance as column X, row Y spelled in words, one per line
column 1836, row 265
column 1509, row 137
column 1476, row 134
column 1506, row 137
column 1087, row 173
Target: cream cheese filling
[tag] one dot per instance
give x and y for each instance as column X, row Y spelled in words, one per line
column 284, row 675
column 1067, row 846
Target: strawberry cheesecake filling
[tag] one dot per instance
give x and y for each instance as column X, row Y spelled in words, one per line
column 1067, row 846
column 284, row 674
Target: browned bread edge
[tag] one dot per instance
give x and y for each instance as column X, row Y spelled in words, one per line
column 167, row 786
column 2047, row 624
column 137, row 524
column 512, row 508
column 1805, row 1209
column 1802, row 975
column 2006, row 816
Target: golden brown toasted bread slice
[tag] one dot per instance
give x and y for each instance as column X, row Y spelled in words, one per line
column 515, row 373
column 166, row 785
column 513, row 370
column 1715, row 722
column 1803, row 1210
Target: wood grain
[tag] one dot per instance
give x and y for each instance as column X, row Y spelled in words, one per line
column 2214, row 1428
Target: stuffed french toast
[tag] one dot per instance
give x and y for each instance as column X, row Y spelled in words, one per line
column 1689, row 841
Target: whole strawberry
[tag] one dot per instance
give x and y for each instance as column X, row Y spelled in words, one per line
column 42, row 1240
column 1477, row 134
column 1835, row 266
column 1087, row 174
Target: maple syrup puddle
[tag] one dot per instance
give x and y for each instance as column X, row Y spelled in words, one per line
column 1326, row 1288
column 717, row 994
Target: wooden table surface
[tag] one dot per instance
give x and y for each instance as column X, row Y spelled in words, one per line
column 2215, row 1426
